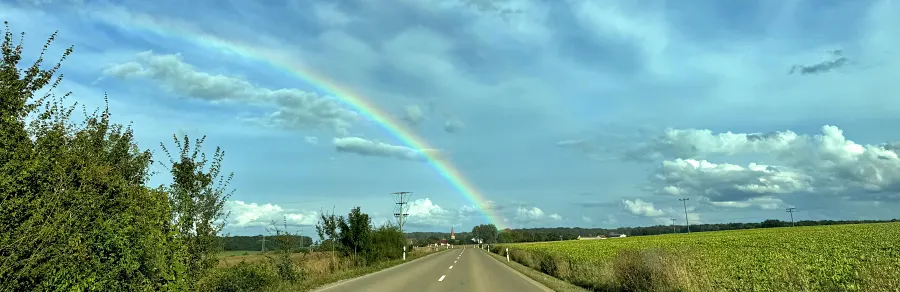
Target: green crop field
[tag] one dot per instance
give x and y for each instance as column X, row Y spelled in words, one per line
column 860, row 257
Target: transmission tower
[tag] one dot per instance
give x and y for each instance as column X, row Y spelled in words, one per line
column 791, row 211
column 686, row 222
column 401, row 199
column 673, row 225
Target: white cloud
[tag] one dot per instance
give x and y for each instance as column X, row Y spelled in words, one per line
column 453, row 125
column 641, row 208
column 486, row 206
column 525, row 214
column 370, row 148
column 491, row 205
column 694, row 143
column 426, row 212
column 252, row 214
column 413, row 115
column 825, row 162
column 727, row 182
column 533, row 214
column 586, row 219
column 311, row 140
column 765, row 203
column 366, row 147
column 297, row 109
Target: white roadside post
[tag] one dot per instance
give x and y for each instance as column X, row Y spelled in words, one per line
column 404, row 252
column 507, row 254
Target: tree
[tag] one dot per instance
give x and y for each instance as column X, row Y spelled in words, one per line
column 387, row 243
column 75, row 213
column 197, row 195
column 327, row 229
column 485, row 232
column 356, row 232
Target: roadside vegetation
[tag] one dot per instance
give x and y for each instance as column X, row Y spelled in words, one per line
column 77, row 211
column 859, row 257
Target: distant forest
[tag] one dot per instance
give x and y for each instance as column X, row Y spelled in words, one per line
column 234, row 243
column 256, row 242
column 569, row 233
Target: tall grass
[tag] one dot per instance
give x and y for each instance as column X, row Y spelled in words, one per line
column 259, row 273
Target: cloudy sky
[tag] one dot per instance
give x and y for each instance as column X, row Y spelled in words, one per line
column 559, row 113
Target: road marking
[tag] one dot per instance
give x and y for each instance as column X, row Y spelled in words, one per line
column 454, row 262
column 451, row 267
column 442, row 278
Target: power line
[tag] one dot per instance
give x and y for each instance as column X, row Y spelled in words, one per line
column 791, row 211
column 686, row 222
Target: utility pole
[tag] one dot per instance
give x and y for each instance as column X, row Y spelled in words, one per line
column 686, row 222
column 263, row 243
column 402, row 201
column 673, row 225
column 791, row 210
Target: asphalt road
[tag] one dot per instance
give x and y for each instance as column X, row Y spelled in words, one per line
column 458, row 269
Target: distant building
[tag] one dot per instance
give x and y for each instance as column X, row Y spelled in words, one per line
column 452, row 236
column 614, row 235
column 591, row 237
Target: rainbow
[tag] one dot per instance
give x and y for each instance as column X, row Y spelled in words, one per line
column 139, row 22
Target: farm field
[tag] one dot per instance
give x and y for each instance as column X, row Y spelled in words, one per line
column 859, row 257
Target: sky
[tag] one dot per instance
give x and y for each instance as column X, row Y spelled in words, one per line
column 550, row 113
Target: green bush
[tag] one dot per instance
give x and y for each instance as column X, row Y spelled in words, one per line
column 76, row 209
column 240, row 277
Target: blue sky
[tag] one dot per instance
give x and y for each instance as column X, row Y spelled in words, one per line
column 562, row 113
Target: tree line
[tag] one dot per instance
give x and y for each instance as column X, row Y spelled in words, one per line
column 247, row 243
column 566, row 233
column 489, row 233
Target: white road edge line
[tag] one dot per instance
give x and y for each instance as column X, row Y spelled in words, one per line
column 442, row 278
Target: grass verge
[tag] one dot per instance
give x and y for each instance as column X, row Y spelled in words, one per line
column 300, row 272
column 547, row 280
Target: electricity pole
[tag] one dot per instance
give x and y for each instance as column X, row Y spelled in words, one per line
column 263, row 243
column 791, row 210
column 401, row 199
column 673, row 225
column 686, row 222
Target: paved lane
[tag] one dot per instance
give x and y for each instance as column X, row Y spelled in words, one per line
column 458, row 269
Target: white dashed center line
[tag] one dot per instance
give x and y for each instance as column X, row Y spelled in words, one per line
column 451, row 267
column 442, row 278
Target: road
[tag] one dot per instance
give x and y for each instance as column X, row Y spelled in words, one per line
column 458, row 269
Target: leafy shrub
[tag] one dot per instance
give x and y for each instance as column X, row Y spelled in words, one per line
column 238, row 278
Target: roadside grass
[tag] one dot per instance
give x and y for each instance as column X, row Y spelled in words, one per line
column 547, row 280
column 311, row 271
